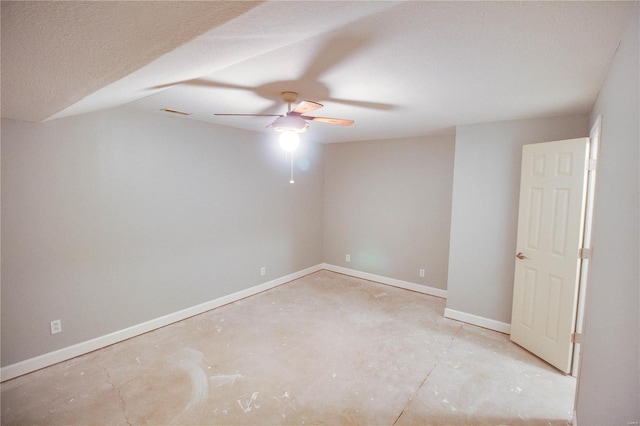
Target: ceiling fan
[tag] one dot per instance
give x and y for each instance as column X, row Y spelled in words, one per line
column 296, row 120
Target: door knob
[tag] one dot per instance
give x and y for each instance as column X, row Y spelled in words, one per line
column 521, row 256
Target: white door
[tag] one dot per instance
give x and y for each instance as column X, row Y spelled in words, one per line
column 550, row 232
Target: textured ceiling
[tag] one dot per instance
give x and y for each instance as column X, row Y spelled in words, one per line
column 397, row 68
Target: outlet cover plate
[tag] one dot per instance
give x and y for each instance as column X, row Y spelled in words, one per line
column 56, row 326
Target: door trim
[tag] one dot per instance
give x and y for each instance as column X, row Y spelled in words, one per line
column 594, row 136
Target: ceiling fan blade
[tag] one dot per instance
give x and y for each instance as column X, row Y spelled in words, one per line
column 338, row 121
column 252, row 115
column 363, row 104
column 307, row 106
column 333, row 52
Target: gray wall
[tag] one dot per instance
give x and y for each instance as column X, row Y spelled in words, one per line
column 609, row 381
column 115, row 218
column 484, row 213
column 388, row 205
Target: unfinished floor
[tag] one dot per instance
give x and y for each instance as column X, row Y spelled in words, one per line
column 323, row 349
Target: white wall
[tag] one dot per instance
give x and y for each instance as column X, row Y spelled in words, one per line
column 609, row 381
column 388, row 205
column 115, row 218
column 486, row 183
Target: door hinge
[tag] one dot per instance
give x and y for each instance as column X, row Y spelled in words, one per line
column 593, row 163
column 576, row 338
column 585, row 253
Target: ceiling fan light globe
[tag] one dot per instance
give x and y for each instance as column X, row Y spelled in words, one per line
column 289, row 141
column 290, row 123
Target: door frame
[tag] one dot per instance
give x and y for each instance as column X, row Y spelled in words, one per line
column 594, row 136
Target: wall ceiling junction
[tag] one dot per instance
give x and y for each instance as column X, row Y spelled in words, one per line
column 399, row 69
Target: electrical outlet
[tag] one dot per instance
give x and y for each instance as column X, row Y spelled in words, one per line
column 422, row 273
column 348, row 258
column 56, row 326
column 263, row 271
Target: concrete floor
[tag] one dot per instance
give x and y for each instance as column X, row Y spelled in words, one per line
column 324, row 349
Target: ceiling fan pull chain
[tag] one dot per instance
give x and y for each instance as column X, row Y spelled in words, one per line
column 291, row 181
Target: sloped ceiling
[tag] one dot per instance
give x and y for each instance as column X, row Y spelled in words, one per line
column 397, row 68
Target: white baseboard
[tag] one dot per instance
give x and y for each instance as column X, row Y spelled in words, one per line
column 386, row 280
column 483, row 322
column 51, row 358
column 45, row 360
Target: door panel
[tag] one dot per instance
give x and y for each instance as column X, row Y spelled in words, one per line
column 550, row 229
column 534, row 218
